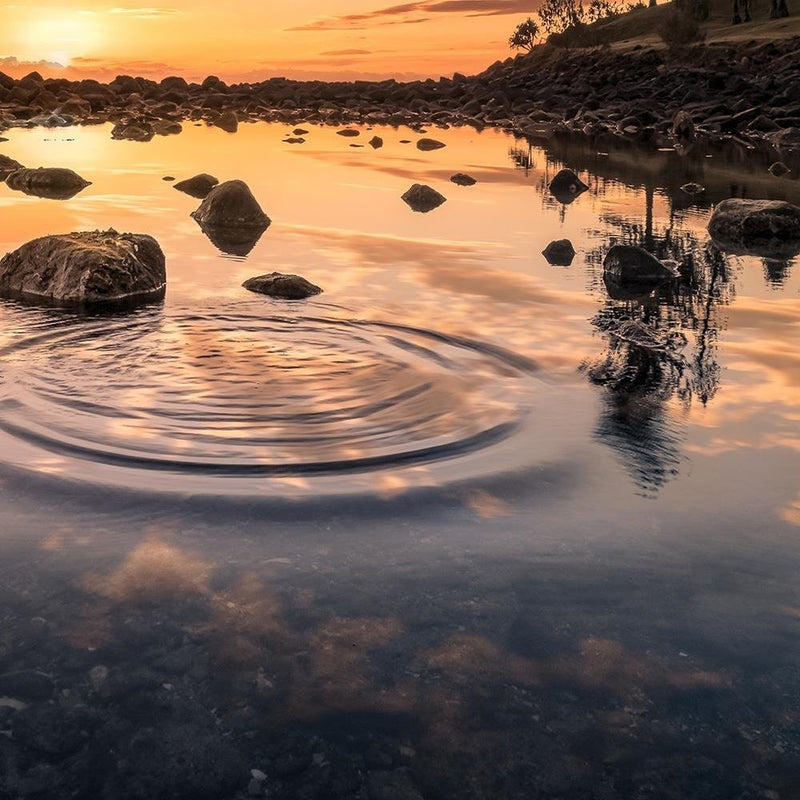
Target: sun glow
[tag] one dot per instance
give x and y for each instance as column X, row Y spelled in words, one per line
column 60, row 39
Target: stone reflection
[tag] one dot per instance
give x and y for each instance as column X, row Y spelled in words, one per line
column 660, row 348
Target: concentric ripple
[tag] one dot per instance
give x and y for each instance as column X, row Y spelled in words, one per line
column 189, row 398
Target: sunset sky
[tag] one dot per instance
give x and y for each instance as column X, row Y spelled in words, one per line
column 252, row 39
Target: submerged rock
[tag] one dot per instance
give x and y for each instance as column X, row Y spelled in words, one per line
column 423, row 198
column 566, row 186
column 375, row 142
column 767, row 228
column 559, row 253
column 430, row 144
column 85, row 268
column 7, row 166
column 231, row 205
column 55, row 183
column 227, row 121
column 462, row 179
column 198, row 187
column 286, row 287
column 630, row 272
column 779, row 169
column 348, row 132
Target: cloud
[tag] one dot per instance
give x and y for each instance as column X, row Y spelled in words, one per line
column 387, row 15
column 14, row 64
column 145, row 13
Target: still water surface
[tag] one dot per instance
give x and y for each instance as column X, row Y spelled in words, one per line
column 436, row 529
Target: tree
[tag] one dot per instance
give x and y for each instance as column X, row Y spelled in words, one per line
column 559, row 15
column 524, row 36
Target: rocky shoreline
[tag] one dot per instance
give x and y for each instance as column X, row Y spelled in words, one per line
column 725, row 92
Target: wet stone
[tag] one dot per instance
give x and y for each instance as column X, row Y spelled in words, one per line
column 422, row 198
column 50, row 729
column 198, row 186
column 462, row 179
column 566, row 186
column 427, row 145
column 559, row 253
column 283, row 286
column 29, row 686
column 348, row 132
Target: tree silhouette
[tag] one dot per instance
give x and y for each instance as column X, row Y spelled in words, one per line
column 524, row 36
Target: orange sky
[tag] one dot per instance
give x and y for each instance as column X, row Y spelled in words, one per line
column 253, row 39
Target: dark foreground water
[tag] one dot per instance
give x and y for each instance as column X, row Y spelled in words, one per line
column 439, row 532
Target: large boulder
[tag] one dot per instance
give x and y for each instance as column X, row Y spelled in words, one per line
column 285, row 287
column 85, row 268
column 231, row 205
column 55, row 183
column 767, row 228
column 198, row 187
column 566, row 186
column 423, row 198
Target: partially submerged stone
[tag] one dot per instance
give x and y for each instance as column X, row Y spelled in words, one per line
column 779, row 169
column 559, row 253
column 133, row 131
column 375, row 142
column 683, row 126
column 423, row 198
column 55, row 183
column 630, row 272
column 430, row 144
column 231, row 205
column 693, row 189
column 767, row 228
column 92, row 267
column 349, row 132
column 198, row 186
column 227, row 121
column 285, row 287
column 462, row 179
column 566, row 186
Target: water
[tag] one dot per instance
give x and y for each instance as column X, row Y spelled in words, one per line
column 440, row 530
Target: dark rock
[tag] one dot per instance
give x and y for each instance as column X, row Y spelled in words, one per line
column 683, row 126
column 198, row 187
column 779, row 169
column 566, row 186
column 133, row 132
column 167, row 127
column 375, row 142
column 49, row 729
column 300, row 131
column 430, row 144
column 693, row 188
column 349, row 132
column 168, row 178
column 462, row 179
column 423, row 198
column 7, row 166
column 85, row 268
column 633, row 272
column 228, row 121
column 559, row 253
column 286, row 287
column 294, row 140
column 767, row 228
column 54, row 183
column 231, row 205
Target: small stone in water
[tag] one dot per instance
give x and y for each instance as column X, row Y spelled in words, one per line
column 258, row 775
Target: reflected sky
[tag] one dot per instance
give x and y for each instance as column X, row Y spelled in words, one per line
column 554, row 613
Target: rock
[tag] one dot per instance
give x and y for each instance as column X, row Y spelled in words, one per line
column 683, row 126
column 349, row 132
column 168, row 178
column 566, row 186
column 228, row 121
column 7, row 166
column 779, row 169
column 198, row 187
column 294, row 140
column 85, row 268
column 462, row 179
column 559, row 253
column 430, row 144
column 767, row 228
column 632, row 272
column 693, row 188
column 133, row 132
column 49, row 729
column 423, row 198
column 286, row 287
column 167, row 127
column 54, row 183
column 231, row 205
column 300, row 131
column 375, row 142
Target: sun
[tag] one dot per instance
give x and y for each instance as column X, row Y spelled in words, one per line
column 62, row 38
